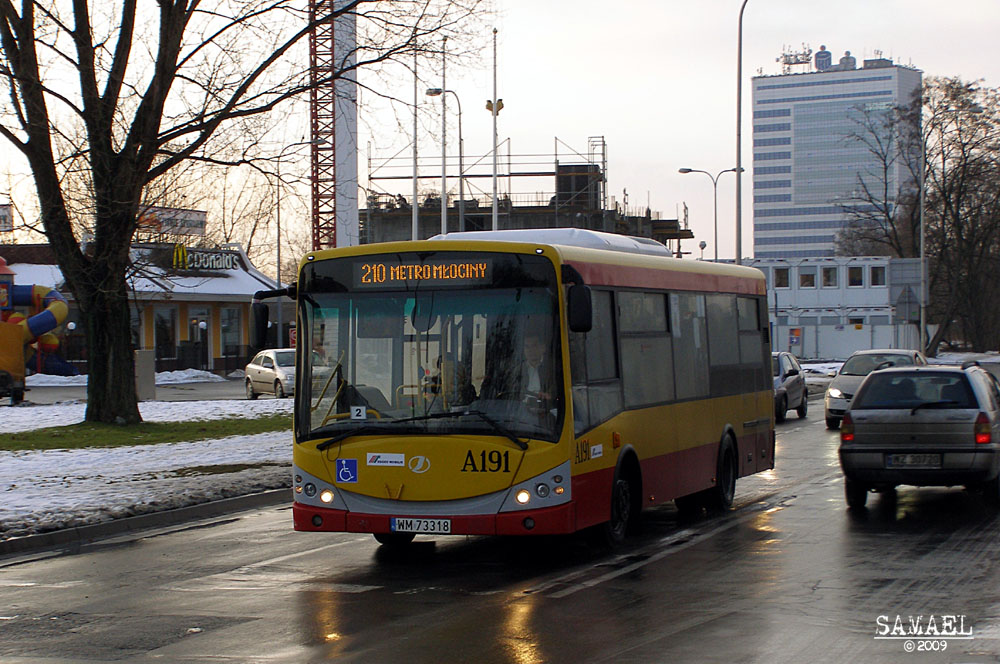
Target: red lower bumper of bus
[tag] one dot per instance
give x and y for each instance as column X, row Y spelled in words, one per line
column 556, row 520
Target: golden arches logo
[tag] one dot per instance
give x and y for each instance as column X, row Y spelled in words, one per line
column 180, row 257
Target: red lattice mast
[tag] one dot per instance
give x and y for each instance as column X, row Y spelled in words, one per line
column 322, row 117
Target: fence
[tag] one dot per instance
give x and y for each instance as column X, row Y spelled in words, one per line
column 839, row 341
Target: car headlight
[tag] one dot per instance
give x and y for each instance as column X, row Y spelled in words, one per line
column 834, row 393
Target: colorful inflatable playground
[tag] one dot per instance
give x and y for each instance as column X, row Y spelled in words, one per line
column 27, row 340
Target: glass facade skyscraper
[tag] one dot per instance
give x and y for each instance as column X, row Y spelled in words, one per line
column 808, row 160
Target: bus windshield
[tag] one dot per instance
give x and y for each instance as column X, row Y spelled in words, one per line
column 419, row 356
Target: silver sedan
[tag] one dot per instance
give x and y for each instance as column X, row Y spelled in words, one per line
column 924, row 426
column 271, row 372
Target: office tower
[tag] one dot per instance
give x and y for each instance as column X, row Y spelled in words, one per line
column 808, row 161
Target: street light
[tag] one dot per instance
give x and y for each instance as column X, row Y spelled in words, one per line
column 438, row 92
column 715, row 194
column 739, row 136
column 277, row 239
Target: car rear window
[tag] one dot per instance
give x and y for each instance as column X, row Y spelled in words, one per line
column 862, row 365
column 908, row 390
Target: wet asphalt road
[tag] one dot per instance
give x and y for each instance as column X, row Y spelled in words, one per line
column 788, row 576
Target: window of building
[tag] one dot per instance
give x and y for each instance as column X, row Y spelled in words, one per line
column 135, row 323
column 231, row 331
column 830, row 277
column 165, row 335
column 855, row 276
column 856, row 320
column 807, row 276
column 878, row 275
column 781, row 277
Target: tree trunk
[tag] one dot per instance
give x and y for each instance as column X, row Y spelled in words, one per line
column 111, row 393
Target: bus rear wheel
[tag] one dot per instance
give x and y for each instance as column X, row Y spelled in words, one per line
column 720, row 497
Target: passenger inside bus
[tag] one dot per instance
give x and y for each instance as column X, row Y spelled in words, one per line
column 451, row 379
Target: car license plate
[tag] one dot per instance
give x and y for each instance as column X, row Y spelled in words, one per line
column 411, row 525
column 912, row 460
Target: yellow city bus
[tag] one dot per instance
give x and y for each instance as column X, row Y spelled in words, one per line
column 523, row 383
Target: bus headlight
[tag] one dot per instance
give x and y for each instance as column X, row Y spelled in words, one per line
column 522, row 497
column 310, row 489
column 326, row 496
column 542, row 490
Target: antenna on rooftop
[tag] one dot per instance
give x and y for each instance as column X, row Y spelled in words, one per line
column 790, row 58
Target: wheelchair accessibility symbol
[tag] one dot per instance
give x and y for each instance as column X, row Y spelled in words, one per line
column 347, row 471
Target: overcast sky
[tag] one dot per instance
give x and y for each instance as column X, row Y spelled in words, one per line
column 657, row 79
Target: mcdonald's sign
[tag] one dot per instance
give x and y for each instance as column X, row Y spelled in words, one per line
column 180, row 257
column 201, row 259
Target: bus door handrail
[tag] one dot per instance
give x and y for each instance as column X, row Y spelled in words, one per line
column 328, row 381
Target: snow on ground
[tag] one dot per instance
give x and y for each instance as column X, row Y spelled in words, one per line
column 162, row 378
column 54, row 489
column 26, row 418
column 44, row 490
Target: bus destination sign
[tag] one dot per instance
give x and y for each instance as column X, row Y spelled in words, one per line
column 384, row 273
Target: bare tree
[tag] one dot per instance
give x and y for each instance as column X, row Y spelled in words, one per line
column 962, row 211
column 121, row 94
column 953, row 133
column 882, row 210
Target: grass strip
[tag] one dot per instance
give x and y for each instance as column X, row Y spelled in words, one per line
column 87, row 434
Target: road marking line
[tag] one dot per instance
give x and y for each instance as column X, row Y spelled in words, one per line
column 695, row 538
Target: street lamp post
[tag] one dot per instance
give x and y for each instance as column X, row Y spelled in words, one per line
column 739, row 135
column 436, row 92
column 715, row 195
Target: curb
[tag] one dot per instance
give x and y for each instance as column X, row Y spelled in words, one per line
column 134, row 524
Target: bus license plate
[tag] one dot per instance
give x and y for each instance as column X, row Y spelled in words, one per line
column 411, row 525
column 913, row 461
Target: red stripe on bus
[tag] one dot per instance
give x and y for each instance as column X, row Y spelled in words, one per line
column 599, row 274
column 664, row 477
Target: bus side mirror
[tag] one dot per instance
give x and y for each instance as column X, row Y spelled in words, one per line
column 258, row 325
column 579, row 308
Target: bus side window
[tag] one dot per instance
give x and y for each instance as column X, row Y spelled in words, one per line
column 599, row 392
column 578, row 374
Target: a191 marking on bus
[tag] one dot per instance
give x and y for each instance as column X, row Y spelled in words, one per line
column 585, row 451
column 492, row 462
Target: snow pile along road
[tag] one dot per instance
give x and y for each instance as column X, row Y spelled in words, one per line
column 162, row 378
column 27, row 418
column 52, row 489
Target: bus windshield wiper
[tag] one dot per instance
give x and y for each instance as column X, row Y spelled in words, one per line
column 499, row 428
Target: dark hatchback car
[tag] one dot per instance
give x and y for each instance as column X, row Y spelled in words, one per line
column 934, row 425
column 789, row 386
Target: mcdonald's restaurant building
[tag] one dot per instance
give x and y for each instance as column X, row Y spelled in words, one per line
column 190, row 305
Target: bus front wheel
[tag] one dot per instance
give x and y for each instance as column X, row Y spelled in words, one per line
column 625, row 505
